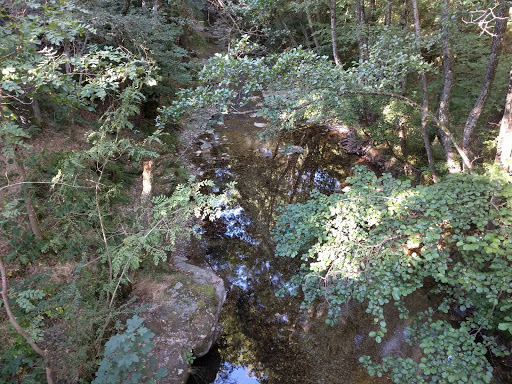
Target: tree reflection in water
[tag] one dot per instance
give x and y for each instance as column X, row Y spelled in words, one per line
column 267, row 339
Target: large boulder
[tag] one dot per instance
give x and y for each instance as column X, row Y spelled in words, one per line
column 183, row 311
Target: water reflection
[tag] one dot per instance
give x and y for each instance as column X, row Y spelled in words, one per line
column 236, row 224
column 267, row 339
column 235, row 374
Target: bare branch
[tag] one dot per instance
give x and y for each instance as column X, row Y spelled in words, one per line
column 484, row 18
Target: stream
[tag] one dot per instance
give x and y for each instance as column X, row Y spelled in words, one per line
column 268, row 339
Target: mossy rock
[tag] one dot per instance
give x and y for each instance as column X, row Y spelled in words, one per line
column 183, row 312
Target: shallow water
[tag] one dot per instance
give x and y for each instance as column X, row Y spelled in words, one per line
column 268, row 339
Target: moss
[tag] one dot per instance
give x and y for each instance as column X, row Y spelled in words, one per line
column 158, row 274
column 204, row 290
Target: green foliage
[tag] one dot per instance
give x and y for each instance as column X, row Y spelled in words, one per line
column 24, row 299
column 80, row 304
column 152, row 237
column 379, row 242
column 449, row 355
column 19, row 363
column 298, row 85
column 34, row 60
column 189, row 357
column 127, row 357
column 154, row 37
column 29, row 300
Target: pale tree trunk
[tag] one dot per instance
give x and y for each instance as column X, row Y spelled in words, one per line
column 424, row 109
column 443, row 113
column 156, row 6
column 146, row 195
column 387, row 20
column 18, row 328
column 332, row 10
column 312, row 28
column 29, row 205
column 492, row 65
column 504, row 150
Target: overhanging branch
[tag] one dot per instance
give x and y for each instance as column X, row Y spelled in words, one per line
column 430, row 115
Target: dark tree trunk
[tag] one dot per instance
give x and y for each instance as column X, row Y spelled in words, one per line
column 29, row 205
column 443, row 113
column 504, row 150
column 403, row 141
column 71, row 115
column 404, row 16
column 37, row 112
column 304, row 32
column 492, row 65
column 126, row 7
column 360, row 24
column 424, row 109
column 332, row 10
column 287, row 29
column 373, row 12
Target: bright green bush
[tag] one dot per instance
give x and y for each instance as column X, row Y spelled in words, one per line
column 127, row 357
column 382, row 240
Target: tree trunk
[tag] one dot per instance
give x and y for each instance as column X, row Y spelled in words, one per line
column 332, row 10
column 474, row 115
column 17, row 326
column 373, row 12
column 443, row 112
column 29, row 205
column 304, row 32
column 504, row 150
column 37, row 112
column 402, row 135
column 156, row 6
column 312, row 28
column 424, row 109
column 287, row 29
column 363, row 12
column 387, row 20
column 71, row 114
column 67, row 53
column 404, row 16
column 126, row 7
column 146, row 195
column 360, row 23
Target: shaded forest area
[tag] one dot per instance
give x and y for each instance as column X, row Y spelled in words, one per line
column 94, row 95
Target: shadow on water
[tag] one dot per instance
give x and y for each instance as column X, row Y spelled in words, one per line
column 267, row 339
